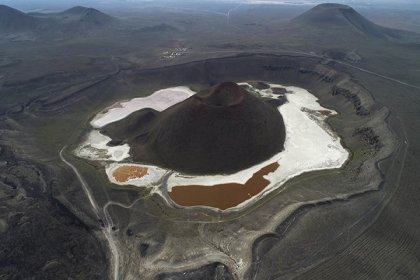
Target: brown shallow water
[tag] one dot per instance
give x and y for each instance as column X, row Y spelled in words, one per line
column 124, row 173
column 222, row 196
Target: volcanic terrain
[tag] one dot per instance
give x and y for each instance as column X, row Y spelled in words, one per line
column 76, row 20
column 343, row 17
column 219, row 130
column 109, row 216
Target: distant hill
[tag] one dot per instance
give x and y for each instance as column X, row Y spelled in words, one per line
column 88, row 17
column 78, row 19
column 344, row 17
column 12, row 20
column 78, row 10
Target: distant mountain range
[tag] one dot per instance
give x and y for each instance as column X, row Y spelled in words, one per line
column 74, row 19
column 79, row 20
column 79, row 15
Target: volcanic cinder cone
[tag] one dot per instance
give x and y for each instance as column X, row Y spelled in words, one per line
column 330, row 15
column 12, row 20
column 220, row 130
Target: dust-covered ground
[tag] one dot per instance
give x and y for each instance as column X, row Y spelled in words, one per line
column 61, row 218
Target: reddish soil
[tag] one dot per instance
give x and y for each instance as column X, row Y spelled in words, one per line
column 124, row 173
column 222, row 196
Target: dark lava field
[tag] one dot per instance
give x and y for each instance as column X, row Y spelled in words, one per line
column 61, row 217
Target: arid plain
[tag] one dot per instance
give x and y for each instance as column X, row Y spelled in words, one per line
column 61, row 217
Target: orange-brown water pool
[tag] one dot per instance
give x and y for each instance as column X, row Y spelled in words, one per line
column 222, row 196
column 124, row 173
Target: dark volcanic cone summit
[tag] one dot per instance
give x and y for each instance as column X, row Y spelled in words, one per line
column 219, row 130
column 223, row 95
column 330, row 15
column 335, row 14
column 87, row 15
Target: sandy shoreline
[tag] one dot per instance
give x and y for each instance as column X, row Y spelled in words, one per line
column 159, row 101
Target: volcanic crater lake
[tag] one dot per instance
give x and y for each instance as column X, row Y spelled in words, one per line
column 309, row 145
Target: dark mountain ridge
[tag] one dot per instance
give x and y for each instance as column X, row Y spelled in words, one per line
column 87, row 15
column 80, row 19
column 330, row 15
column 12, row 20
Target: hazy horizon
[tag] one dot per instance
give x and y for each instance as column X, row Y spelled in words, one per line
column 30, row 5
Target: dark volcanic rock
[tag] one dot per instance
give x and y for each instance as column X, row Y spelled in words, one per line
column 276, row 102
column 143, row 249
column 40, row 237
column 133, row 126
column 279, row 91
column 74, row 21
column 330, row 15
column 220, row 130
column 87, row 17
column 12, row 20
